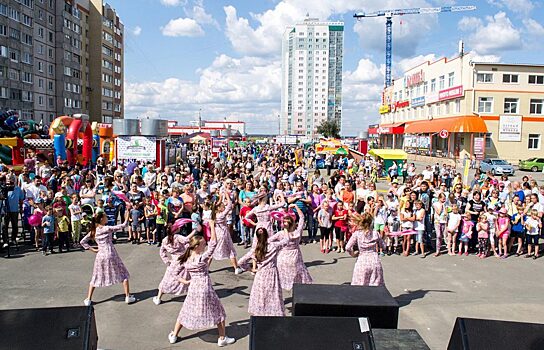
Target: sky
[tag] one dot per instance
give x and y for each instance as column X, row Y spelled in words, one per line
column 223, row 58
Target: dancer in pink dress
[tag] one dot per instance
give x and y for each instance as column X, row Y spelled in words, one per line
column 262, row 211
column 291, row 266
column 175, row 245
column 368, row 268
column 225, row 247
column 108, row 267
column 202, row 307
column 266, row 297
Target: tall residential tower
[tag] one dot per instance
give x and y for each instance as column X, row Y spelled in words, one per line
column 312, row 54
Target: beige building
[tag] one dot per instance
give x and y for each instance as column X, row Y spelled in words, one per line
column 453, row 107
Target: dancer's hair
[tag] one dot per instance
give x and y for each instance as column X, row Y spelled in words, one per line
column 262, row 244
column 193, row 243
column 214, row 208
column 291, row 224
column 362, row 221
column 95, row 221
column 170, row 235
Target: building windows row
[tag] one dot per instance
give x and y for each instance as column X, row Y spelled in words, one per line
column 508, row 78
column 511, row 105
column 534, row 142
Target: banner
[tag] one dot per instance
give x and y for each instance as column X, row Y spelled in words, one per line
column 136, row 147
column 510, row 128
column 479, row 148
column 465, row 172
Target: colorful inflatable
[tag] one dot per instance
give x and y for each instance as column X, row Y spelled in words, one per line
column 65, row 132
column 12, row 133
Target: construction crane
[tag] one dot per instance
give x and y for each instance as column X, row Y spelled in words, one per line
column 388, row 14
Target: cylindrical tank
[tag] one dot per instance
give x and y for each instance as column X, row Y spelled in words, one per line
column 126, row 127
column 363, row 135
column 154, row 127
column 214, row 133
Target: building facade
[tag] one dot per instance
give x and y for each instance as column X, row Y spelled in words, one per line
column 46, row 56
column 456, row 107
column 312, row 58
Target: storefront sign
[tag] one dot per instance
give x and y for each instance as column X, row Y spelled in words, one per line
column 418, row 101
column 510, row 128
column 414, row 79
column 450, row 93
column 385, row 109
column 432, row 97
column 387, row 130
column 479, row 148
column 401, row 104
column 137, row 148
column 444, row 134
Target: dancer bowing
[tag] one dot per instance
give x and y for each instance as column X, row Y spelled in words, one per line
column 175, row 245
column 263, row 210
column 108, row 267
column 368, row 268
column 291, row 266
column 225, row 247
column 202, row 307
column 266, row 298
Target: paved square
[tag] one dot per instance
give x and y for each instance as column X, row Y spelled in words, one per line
column 432, row 293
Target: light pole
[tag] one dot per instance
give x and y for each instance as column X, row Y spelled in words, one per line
column 279, row 125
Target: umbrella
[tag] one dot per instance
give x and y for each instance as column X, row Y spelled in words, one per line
column 341, row 151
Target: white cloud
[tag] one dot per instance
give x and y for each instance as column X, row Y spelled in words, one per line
column 199, row 14
column 518, row 6
column 173, row 2
column 137, row 31
column 182, row 27
column 534, row 27
column 412, row 62
column 469, row 23
column 475, row 57
column 498, row 34
column 366, row 72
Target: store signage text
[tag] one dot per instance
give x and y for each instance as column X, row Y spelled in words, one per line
column 385, row 109
column 401, row 104
column 414, row 79
column 450, row 93
column 418, row 101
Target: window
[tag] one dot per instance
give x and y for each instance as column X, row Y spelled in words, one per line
column 457, row 106
column 511, row 105
column 433, row 85
column 441, row 82
column 14, row 55
column 40, row 83
column 27, row 58
column 50, row 86
column 107, row 64
column 67, row 71
column 3, row 51
column 40, row 100
column 425, row 88
column 488, row 140
column 534, row 142
column 40, row 66
column 15, row 34
column 3, row 30
column 485, row 104
column 68, row 102
column 510, row 78
column 3, row 10
column 451, row 79
column 536, row 79
column 4, row 92
column 26, row 96
column 27, row 20
column 484, row 77
column 536, row 106
column 13, row 14
column 27, row 77
column 26, row 39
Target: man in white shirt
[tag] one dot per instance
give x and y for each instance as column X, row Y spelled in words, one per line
column 33, row 189
column 428, row 174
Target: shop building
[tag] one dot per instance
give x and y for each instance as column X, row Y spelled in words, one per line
column 456, row 107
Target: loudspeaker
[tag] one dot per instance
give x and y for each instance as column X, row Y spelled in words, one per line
column 67, row 328
column 478, row 334
column 376, row 303
column 326, row 333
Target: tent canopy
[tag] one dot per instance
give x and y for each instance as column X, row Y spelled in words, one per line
column 393, row 154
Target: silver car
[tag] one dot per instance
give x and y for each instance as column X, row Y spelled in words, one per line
column 496, row 166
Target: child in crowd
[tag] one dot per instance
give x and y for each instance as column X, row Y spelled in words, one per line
column 324, row 220
column 419, row 227
column 492, row 220
column 136, row 220
column 503, row 231
column 247, row 226
column 150, row 213
column 407, row 219
column 196, row 225
column 63, row 230
column 380, row 217
column 393, row 226
column 75, row 218
column 340, row 219
column 517, row 223
column 454, row 221
column 482, row 227
column 49, row 226
column 533, row 224
column 99, row 206
column 466, row 234
column 161, row 219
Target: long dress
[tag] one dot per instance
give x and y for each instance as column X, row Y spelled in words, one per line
column 368, row 268
column 202, row 307
column 291, row 266
column 225, row 247
column 108, row 267
column 264, row 218
column 266, row 298
column 170, row 283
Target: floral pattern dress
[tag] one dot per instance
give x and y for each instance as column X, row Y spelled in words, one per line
column 264, row 218
column 170, row 254
column 225, row 247
column 108, row 267
column 368, row 269
column 291, row 266
column 266, row 298
column 202, row 307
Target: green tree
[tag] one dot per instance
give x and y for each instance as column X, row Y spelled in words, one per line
column 329, row 128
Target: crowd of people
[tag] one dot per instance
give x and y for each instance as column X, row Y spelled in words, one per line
column 262, row 198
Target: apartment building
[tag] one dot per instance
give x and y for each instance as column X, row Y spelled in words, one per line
column 457, row 107
column 48, row 51
column 312, row 58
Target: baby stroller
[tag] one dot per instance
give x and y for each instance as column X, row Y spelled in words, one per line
column 86, row 216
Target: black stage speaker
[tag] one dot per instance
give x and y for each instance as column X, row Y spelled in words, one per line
column 376, row 303
column 478, row 334
column 327, row 333
column 64, row 328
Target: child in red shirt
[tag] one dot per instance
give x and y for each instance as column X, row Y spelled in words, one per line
column 248, row 226
column 340, row 219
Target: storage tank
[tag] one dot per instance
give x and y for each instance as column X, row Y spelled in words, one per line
column 363, row 135
column 126, row 127
column 154, row 127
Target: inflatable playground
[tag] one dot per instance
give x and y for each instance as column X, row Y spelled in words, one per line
column 69, row 138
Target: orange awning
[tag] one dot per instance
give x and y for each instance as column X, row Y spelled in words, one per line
column 451, row 124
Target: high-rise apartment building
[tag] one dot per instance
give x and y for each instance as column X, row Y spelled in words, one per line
column 61, row 57
column 312, row 55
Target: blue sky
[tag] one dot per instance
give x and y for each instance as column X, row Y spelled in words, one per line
column 223, row 56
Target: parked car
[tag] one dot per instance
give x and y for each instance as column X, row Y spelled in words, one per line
column 496, row 166
column 533, row 164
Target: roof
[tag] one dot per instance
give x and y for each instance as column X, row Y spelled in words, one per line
column 511, row 64
column 451, row 124
column 396, row 154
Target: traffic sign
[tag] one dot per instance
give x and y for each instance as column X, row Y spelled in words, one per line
column 444, row 133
